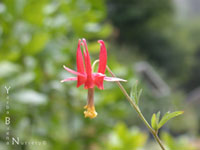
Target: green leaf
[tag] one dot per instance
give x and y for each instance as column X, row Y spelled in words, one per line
column 168, row 116
column 154, row 123
column 138, row 96
column 8, row 69
column 30, row 96
column 158, row 117
column 38, row 42
column 132, row 93
column 135, row 93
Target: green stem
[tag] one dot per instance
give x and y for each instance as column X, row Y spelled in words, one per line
column 138, row 111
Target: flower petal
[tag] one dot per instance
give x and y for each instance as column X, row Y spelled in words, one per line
column 79, row 59
column 98, row 80
column 102, row 57
column 89, row 82
column 80, row 66
column 69, row 79
column 87, row 58
column 113, row 79
column 73, row 72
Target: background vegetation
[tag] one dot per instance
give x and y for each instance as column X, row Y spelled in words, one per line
column 38, row 37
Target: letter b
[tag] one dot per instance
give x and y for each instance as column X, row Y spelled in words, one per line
column 7, row 120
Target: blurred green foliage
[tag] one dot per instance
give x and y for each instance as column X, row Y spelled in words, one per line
column 175, row 144
column 38, row 37
column 124, row 138
column 153, row 30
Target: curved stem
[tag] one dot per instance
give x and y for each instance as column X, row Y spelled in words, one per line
column 94, row 63
column 138, row 111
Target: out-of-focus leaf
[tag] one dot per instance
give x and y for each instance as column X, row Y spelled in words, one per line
column 31, row 11
column 30, row 96
column 92, row 27
column 2, row 8
column 38, row 42
column 124, row 138
column 22, row 79
column 94, row 47
column 105, row 31
column 4, row 146
column 8, row 69
column 181, row 143
column 50, row 8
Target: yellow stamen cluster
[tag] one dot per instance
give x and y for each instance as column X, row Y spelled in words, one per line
column 90, row 111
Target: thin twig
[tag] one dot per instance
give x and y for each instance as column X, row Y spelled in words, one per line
column 138, row 111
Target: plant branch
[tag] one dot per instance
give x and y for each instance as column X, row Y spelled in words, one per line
column 137, row 110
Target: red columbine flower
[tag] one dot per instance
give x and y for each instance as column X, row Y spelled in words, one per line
column 86, row 76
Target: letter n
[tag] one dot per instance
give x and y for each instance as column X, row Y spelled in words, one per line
column 15, row 141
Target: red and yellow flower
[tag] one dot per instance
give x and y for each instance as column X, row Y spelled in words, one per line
column 85, row 75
